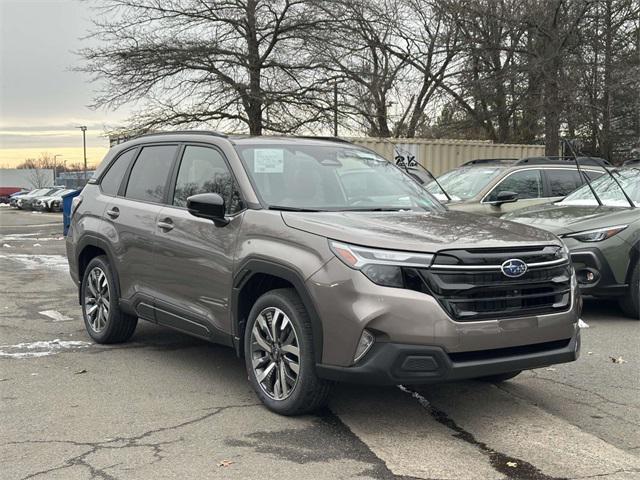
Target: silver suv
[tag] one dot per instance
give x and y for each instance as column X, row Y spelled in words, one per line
column 318, row 261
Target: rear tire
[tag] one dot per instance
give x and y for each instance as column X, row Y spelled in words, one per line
column 299, row 392
column 501, row 377
column 103, row 319
column 630, row 303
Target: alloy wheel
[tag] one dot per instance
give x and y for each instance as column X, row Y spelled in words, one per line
column 96, row 299
column 275, row 353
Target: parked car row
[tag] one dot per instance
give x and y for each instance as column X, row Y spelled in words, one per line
column 592, row 206
column 47, row 199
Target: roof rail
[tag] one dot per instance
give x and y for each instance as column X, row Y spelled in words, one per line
column 328, row 139
column 563, row 161
column 481, row 161
column 181, row 132
column 633, row 161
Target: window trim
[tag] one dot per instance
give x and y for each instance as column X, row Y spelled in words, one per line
column 543, row 181
column 173, row 178
column 123, row 187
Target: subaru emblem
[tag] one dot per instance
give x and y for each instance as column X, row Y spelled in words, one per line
column 514, row 268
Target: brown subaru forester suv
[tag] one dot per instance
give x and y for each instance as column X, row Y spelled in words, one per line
column 318, row 261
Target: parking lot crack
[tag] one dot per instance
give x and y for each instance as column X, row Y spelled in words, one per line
column 119, row 443
column 511, row 467
column 602, row 475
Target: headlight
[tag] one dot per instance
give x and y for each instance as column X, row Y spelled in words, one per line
column 596, row 235
column 383, row 267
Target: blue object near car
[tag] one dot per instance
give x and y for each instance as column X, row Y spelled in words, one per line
column 66, row 210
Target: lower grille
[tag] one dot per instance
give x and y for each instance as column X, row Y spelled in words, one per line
column 508, row 352
column 469, row 294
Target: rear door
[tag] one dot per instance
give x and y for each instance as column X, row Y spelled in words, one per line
column 194, row 258
column 131, row 221
column 560, row 182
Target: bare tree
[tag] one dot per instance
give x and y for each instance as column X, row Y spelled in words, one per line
column 354, row 53
column 240, row 62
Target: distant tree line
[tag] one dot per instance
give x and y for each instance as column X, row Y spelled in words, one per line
column 46, row 161
column 506, row 70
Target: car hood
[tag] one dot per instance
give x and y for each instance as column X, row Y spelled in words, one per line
column 417, row 231
column 561, row 219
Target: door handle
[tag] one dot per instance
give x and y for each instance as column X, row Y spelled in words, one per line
column 165, row 225
column 114, row 212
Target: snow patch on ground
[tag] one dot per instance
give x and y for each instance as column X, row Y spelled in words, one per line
column 37, row 262
column 55, row 315
column 41, row 348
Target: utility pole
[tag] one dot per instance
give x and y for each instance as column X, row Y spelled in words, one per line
column 84, row 147
column 335, row 109
column 55, row 166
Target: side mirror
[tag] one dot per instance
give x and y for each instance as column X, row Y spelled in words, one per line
column 505, row 197
column 208, row 205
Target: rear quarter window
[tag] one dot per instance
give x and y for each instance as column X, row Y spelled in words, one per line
column 111, row 181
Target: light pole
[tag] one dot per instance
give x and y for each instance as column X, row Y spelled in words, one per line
column 84, row 147
column 55, row 166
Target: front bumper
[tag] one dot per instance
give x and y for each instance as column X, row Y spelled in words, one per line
column 591, row 260
column 347, row 302
column 394, row 363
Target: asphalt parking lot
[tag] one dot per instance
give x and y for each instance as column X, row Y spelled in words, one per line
column 169, row 406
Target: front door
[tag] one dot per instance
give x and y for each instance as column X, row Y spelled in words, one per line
column 194, row 258
column 526, row 183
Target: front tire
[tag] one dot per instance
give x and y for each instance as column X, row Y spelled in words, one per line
column 279, row 355
column 630, row 303
column 103, row 319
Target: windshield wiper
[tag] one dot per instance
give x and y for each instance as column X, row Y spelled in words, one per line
column 284, row 208
column 626, row 196
column 406, row 165
column 583, row 174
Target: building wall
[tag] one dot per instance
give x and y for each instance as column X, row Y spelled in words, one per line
column 25, row 178
column 440, row 156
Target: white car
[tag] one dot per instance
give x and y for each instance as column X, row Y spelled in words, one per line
column 52, row 203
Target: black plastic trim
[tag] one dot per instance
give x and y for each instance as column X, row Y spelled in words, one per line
column 606, row 285
column 254, row 266
column 382, row 365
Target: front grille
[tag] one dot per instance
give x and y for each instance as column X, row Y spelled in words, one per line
column 469, row 293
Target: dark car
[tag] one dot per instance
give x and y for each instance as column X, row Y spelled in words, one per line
column 602, row 232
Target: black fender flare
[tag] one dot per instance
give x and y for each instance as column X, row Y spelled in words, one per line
column 634, row 259
column 253, row 266
column 91, row 240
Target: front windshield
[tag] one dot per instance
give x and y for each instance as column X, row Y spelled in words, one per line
column 608, row 190
column 463, row 183
column 331, row 178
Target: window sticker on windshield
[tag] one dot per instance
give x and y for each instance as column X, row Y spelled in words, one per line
column 268, row 160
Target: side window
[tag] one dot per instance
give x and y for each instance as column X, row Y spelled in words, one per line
column 526, row 183
column 203, row 170
column 149, row 175
column 563, row 182
column 111, row 181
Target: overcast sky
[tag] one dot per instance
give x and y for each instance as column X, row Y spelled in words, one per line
column 41, row 100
